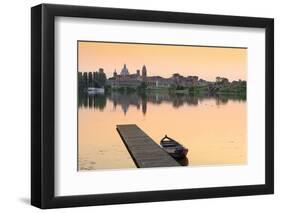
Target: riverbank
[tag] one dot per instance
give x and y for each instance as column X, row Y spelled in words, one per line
column 197, row 90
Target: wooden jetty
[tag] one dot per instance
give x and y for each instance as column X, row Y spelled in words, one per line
column 144, row 151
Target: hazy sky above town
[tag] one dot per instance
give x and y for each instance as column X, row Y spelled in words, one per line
column 164, row 60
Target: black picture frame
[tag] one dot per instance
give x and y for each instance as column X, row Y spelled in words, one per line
column 43, row 105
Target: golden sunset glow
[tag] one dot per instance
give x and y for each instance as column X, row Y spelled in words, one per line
column 164, row 60
column 207, row 119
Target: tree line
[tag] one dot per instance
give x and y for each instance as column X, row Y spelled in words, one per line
column 91, row 79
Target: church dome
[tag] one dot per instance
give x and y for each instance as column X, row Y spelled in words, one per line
column 124, row 71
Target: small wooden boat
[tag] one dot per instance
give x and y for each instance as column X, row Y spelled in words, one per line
column 173, row 148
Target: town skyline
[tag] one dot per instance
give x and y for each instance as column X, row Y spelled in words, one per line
column 98, row 82
column 210, row 62
column 139, row 70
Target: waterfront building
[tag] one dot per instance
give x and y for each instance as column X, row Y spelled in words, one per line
column 127, row 79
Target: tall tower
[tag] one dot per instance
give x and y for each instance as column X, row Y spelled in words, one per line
column 144, row 72
column 115, row 74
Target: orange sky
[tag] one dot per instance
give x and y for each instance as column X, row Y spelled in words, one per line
column 164, row 60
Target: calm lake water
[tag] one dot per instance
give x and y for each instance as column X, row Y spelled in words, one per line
column 214, row 129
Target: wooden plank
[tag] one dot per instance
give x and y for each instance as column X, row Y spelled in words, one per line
column 143, row 150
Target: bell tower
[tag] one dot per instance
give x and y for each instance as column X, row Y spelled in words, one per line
column 115, row 74
column 144, row 72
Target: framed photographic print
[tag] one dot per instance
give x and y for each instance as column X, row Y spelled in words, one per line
column 139, row 106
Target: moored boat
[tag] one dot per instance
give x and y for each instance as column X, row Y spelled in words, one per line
column 95, row 90
column 173, row 148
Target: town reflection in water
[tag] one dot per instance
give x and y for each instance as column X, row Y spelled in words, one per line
column 212, row 127
column 127, row 100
